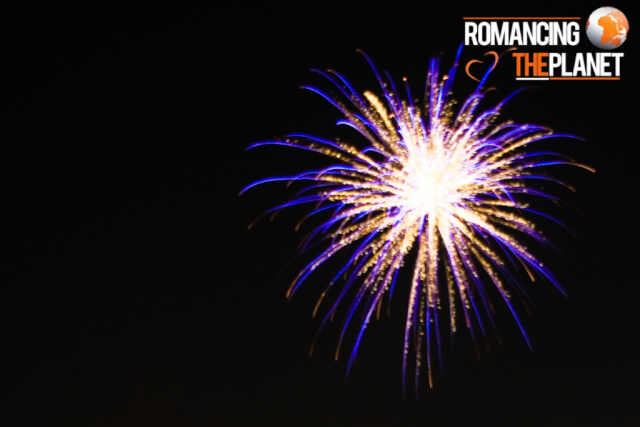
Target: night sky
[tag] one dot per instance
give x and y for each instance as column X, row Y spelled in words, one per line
column 133, row 294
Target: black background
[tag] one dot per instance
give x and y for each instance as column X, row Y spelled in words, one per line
column 132, row 292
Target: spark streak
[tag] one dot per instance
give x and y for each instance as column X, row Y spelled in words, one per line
column 441, row 183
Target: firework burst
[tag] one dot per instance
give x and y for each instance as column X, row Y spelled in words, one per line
column 440, row 182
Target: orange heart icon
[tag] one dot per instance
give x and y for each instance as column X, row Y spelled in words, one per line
column 473, row 61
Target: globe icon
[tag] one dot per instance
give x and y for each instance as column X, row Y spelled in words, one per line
column 607, row 28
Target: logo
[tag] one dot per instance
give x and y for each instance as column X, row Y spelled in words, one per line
column 542, row 48
column 607, row 28
column 473, row 61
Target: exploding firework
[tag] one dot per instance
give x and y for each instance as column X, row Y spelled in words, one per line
column 436, row 183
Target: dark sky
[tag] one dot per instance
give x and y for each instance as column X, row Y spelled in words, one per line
column 132, row 293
